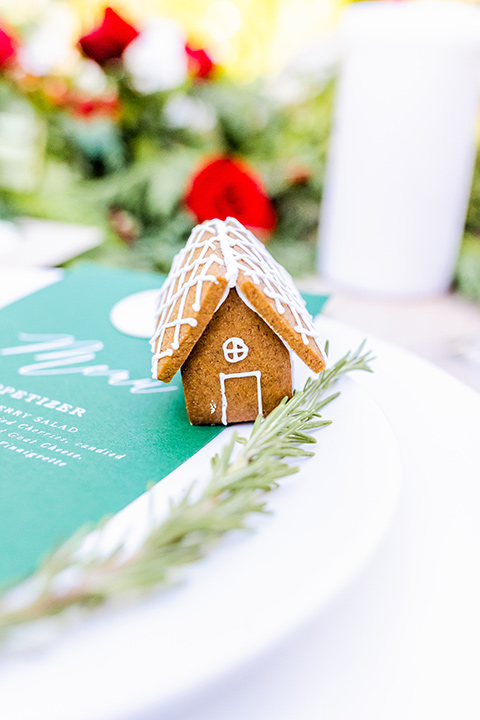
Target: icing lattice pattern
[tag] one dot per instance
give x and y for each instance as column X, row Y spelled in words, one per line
column 222, row 248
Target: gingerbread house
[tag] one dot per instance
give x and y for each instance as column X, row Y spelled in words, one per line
column 230, row 317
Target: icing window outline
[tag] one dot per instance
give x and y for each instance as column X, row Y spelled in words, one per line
column 234, row 349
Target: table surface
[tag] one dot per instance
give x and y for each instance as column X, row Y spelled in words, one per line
column 443, row 329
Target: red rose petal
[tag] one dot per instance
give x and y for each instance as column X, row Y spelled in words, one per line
column 109, row 40
column 7, row 47
column 200, row 64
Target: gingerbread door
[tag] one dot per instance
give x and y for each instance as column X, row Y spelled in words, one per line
column 241, row 395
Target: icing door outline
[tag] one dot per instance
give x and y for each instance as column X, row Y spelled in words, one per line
column 234, row 350
column 225, row 376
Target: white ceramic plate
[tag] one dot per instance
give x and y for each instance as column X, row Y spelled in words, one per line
column 251, row 591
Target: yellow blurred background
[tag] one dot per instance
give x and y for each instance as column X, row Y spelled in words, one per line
column 249, row 38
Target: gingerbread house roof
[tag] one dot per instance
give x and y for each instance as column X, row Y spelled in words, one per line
column 220, row 255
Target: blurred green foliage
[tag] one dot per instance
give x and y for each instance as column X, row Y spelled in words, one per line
column 467, row 275
column 129, row 174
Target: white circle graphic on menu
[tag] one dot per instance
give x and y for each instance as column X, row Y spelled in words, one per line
column 135, row 314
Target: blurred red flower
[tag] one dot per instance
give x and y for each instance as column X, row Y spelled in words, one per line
column 7, row 47
column 109, row 39
column 94, row 107
column 227, row 187
column 78, row 103
column 298, row 174
column 200, row 64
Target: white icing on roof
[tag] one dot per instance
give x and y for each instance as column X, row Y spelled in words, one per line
column 230, row 245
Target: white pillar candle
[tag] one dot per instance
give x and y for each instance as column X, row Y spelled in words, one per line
column 403, row 146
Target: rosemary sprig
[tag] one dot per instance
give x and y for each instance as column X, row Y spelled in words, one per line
column 241, row 474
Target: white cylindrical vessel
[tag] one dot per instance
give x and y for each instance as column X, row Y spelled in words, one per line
column 402, row 148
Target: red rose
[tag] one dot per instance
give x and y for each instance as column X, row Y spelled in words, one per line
column 200, row 64
column 226, row 187
column 7, row 47
column 108, row 40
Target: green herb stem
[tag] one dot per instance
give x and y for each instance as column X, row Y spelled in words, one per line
column 242, row 473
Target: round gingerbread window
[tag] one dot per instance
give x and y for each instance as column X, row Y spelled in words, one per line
column 234, row 350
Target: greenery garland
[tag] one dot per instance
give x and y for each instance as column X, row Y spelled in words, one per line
column 241, row 474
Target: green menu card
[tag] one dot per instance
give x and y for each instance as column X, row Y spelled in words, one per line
column 83, row 427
